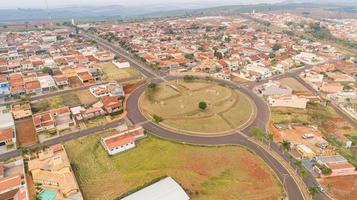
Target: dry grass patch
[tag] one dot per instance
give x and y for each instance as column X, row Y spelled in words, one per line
column 113, row 73
column 295, row 85
column 206, row 172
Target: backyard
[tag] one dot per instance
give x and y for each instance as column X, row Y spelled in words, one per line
column 177, row 104
column 206, row 173
column 113, row 73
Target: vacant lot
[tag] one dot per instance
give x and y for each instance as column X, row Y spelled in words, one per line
column 86, row 98
column 344, row 187
column 69, row 99
column 207, row 173
column 177, row 104
column 295, row 85
column 113, row 73
column 25, row 132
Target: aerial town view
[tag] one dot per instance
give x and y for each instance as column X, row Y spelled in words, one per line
column 178, row 100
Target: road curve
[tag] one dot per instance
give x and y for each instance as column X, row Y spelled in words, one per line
column 237, row 138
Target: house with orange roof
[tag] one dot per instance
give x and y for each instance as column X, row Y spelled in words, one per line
column 334, row 87
column 61, row 80
column 51, row 170
column 33, row 87
column 7, row 132
column 85, row 77
column 21, row 110
column 104, row 56
column 111, row 104
column 56, row 119
column 13, row 185
column 122, row 141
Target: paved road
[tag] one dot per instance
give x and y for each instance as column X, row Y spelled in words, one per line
column 136, row 117
column 143, row 68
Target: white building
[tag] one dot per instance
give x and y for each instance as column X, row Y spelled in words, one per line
column 166, row 189
column 291, row 101
column 122, row 141
column 121, row 65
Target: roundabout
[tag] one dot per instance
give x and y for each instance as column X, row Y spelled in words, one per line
column 174, row 105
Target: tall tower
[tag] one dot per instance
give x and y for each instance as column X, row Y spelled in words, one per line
column 48, row 13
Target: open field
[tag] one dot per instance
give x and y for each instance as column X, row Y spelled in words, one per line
column 177, row 104
column 207, row 173
column 344, row 187
column 69, row 99
column 295, row 85
column 25, row 132
column 112, row 73
column 85, row 97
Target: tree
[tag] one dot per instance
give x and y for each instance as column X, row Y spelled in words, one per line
column 276, row 47
column 313, row 191
column 258, row 133
column 202, row 105
column 189, row 78
column 152, row 86
column 286, row 145
column 190, row 56
column 93, row 42
column 325, row 170
column 47, row 70
column 270, row 137
column 158, row 119
column 36, row 197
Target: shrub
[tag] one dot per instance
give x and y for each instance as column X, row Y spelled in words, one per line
column 158, row 119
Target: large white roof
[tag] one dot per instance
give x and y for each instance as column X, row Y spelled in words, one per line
column 166, row 189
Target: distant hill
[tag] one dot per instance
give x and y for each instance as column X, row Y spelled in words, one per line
column 161, row 10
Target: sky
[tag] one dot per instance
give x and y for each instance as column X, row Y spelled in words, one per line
column 62, row 3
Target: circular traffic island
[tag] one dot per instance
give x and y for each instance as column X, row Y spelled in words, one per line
column 199, row 107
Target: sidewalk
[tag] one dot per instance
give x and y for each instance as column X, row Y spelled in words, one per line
column 301, row 184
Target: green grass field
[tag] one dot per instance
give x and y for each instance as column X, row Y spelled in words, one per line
column 177, row 104
column 207, row 173
column 112, row 73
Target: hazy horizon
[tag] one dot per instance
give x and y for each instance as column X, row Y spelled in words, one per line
column 41, row 4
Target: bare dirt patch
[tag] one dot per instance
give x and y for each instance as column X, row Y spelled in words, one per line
column 25, row 132
column 342, row 187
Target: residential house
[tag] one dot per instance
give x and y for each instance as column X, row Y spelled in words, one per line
column 334, row 87
column 33, row 87
column 52, row 170
column 111, row 104
column 4, row 86
column 17, row 84
column 110, row 89
column 85, row 77
column 21, row 110
column 7, row 132
column 61, row 80
column 58, row 119
column 13, row 185
column 47, row 83
column 291, row 101
column 104, row 56
column 338, row 165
